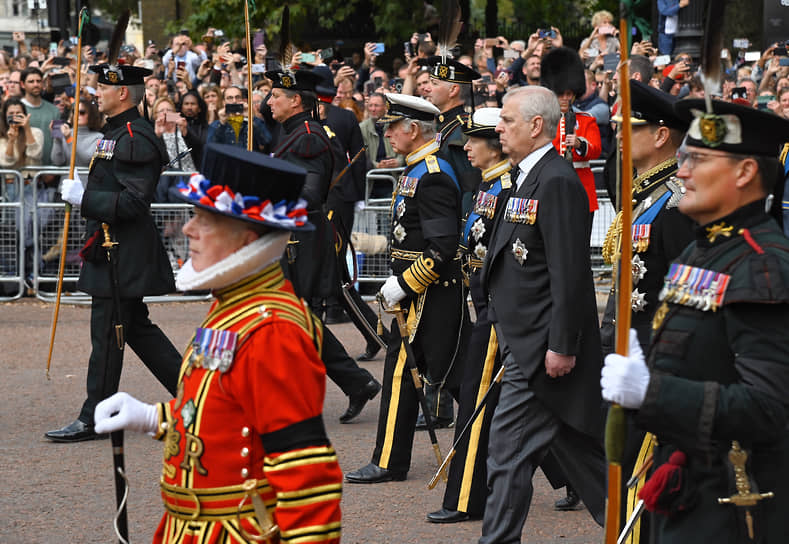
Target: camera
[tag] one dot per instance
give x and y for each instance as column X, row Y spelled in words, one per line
column 546, row 33
column 606, row 30
column 379, row 48
column 234, row 109
column 409, row 49
column 219, row 34
column 739, row 93
column 397, row 84
column 11, row 120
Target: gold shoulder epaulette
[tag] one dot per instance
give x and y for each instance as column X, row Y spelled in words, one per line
column 432, row 164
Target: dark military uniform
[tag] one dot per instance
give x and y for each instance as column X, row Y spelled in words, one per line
column 714, row 385
column 719, row 366
column 123, row 176
column 304, row 142
column 451, row 139
column 341, row 125
column 467, row 486
column 424, row 245
column 660, row 233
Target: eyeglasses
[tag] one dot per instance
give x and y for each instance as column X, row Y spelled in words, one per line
column 83, row 112
column 691, row 159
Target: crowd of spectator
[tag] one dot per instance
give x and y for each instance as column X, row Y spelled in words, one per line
column 198, row 91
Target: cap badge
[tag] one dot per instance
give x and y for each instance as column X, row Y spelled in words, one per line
column 713, row 129
column 443, row 71
column 287, row 82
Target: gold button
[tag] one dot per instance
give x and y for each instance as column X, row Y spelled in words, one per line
column 245, row 432
column 245, row 452
column 446, row 284
column 244, row 473
column 163, row 426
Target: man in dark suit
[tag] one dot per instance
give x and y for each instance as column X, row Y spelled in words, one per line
column 541, row 299
column 123, row 175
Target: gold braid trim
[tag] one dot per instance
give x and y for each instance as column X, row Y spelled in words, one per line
column 421, row 274
column 613, row 237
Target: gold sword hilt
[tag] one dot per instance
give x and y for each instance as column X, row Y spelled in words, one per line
column 108, row 243
column 744, row 497
column 441, row 473
column 270, row 529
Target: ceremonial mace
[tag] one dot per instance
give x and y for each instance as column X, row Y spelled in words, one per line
column 410, row 363
column 615, row 427
column 84, row 18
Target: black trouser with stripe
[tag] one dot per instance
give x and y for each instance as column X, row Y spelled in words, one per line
column 436, row 346
column 467, row 487
column 106, row 361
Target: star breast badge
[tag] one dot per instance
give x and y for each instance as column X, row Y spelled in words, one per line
column 399, row 233
column 478, row 229
column 519, row 251
column 638, row 301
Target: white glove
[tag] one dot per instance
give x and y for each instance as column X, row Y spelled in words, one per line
column 71, row 190
column 625, row 379
column 122, row 411
column 392, row 291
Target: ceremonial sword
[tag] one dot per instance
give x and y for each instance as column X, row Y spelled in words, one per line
column 410, row 363
column 477, row 411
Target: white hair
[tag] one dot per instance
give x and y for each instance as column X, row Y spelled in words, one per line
column 536, row 101
column 426, row 128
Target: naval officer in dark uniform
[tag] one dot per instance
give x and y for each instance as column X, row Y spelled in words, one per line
column 714, row 385
column 301, row 140
column 466, row 491
column 123, row 175
column 538, row 279
column 426, row 281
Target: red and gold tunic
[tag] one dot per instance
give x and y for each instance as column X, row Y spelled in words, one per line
column 585, row 128
column 249, row 410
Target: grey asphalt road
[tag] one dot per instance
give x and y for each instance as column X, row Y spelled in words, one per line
column 64, row 492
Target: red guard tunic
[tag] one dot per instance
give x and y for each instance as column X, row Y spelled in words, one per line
column 257, row 420
column 585, row 128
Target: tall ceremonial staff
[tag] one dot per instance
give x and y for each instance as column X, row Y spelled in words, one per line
column 250, row 60
column 84, row 18
column 615, row 424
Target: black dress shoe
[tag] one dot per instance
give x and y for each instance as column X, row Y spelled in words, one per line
column 357, row 401
column 449, row 516
column 373, row 474
column 570, row 502
column 336, row 315
column 370, row 353
column 438, row 423
column 76, row 431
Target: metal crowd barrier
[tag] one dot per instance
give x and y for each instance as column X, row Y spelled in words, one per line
column 12, row 238
column 372, row 223
column 31, row 226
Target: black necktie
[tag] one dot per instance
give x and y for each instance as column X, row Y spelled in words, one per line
column 514, row 175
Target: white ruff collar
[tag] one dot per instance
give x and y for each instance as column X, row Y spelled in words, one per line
column 249, row 260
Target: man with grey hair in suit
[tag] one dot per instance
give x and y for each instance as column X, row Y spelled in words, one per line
column 538, row 280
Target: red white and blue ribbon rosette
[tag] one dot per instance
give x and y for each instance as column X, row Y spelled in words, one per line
column 223, row 199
